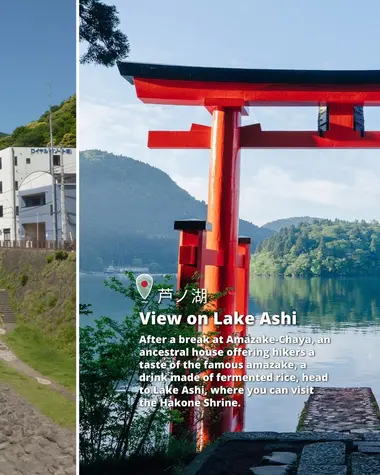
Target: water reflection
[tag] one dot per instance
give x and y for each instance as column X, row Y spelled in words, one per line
column 324, row 303
column 347, row 311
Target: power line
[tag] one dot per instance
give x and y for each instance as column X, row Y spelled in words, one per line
column 11, row 190
column 38, row 174
column 70, row 167
column 28, row 208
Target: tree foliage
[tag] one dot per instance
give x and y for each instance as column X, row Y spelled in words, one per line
column 286, row 222
column 113, row 424
column 321, row 248
column 37, row 134
column 98, row 28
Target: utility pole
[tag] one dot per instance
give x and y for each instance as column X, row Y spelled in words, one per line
column 51, row 149
column 14, row 198
column 63, row 202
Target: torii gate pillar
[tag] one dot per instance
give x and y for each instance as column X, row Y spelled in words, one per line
column 223, row 206
column 223, row 214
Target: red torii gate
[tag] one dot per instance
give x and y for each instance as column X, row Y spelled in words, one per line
column 216, row 252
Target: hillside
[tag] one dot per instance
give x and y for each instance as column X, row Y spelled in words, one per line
column 36, row 134
column 286, row 222
column 128, row 209
column 2, row 134
column 42, row 294
column 322, row 248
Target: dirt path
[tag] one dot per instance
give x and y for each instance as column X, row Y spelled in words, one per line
column 30, row 444
column 13, row 362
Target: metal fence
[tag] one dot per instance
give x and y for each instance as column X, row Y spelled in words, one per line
column 38, row 245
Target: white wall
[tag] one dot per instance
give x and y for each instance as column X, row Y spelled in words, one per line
column 36, row 180
column 26, row 174
column 7, row 196
column 39, row 161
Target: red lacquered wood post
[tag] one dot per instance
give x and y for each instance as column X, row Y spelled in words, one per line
column 223, row 214
column 242, row 306
column 192, row 243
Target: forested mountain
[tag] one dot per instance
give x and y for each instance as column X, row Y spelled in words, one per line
column 321, row 248
column 128, row 209
column 2, row 134
column 285, row 222
column 36, row 134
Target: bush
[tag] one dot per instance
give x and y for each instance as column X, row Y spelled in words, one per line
column 24, row 279
column 61, row 255
column 160, row 462
column 111, row 354
column 49, row 258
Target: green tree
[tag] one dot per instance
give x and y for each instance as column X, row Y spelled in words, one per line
column 321, row 250
column 98, row 28
column 323, row 247
column 69, row 140
column 36, row 134
column 299, row 246
column 112, row 424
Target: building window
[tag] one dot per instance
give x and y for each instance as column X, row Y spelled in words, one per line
column 16, row 210
column 7, row 234
column 31, row 201
column 1, row 186
column 56, row 160
column 1, row 212
column 15, row 161
column 28, row 161
column 1, row 163
column 51, row 210
column 16, row 185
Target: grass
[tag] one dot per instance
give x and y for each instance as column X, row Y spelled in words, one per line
column 42, row 294
column 301, row 420
column 50, row 403
column 39, row 352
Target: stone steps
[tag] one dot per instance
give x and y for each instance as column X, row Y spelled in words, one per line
column 6, row 313
column 346, row 410
column 299, row 453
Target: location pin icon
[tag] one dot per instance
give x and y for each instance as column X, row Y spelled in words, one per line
column 144, row 284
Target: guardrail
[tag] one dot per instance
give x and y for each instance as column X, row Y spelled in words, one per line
column 38, row 245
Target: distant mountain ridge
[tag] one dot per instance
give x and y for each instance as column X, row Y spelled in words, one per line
column 286, row 222
column 37, row 133
column 128, row 209
column 322, row 248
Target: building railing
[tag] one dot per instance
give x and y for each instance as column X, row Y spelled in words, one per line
column 38, row 245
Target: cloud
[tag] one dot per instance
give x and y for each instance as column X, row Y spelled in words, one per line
column 197, row 186
column 273, row 193
column 274, row 183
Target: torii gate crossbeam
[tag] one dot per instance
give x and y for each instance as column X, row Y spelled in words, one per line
column 225, row 92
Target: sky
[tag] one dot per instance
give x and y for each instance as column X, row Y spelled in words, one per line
column 38, row 41
column 295, row 34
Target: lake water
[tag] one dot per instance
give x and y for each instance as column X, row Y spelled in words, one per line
column 345, row 309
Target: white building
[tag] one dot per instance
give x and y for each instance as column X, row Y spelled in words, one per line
column 19, row 165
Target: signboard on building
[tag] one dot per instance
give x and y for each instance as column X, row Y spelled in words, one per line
column 69, row 151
